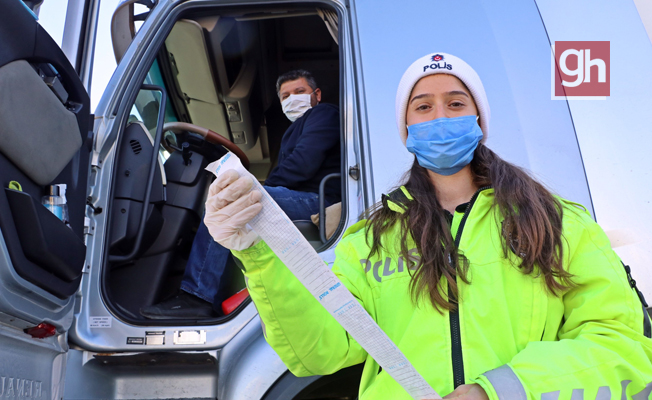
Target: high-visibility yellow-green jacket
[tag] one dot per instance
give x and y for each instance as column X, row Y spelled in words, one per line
column 516, row 340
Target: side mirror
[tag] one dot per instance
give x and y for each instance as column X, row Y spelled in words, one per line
column 123, row 24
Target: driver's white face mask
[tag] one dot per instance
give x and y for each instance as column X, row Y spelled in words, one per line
column 296, row 105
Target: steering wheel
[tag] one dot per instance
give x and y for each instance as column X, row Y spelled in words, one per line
column 209, row 136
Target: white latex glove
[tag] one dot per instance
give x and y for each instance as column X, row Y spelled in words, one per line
column 230, row 205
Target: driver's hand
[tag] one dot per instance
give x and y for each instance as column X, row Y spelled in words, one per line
column 230, row 205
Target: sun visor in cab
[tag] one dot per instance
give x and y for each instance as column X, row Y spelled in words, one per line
column 37, row 133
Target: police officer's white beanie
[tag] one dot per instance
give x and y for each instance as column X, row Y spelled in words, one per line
column 441, row 63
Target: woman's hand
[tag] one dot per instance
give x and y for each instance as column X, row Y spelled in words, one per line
column 468, row 392
column 230, row 205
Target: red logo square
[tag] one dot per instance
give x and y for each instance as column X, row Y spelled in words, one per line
column 582, row 68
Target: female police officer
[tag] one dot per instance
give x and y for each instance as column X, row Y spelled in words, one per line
column 474, row 270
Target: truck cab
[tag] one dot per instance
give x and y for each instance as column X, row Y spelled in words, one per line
column 195, row 80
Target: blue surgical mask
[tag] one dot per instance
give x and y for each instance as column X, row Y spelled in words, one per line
column 444, row 145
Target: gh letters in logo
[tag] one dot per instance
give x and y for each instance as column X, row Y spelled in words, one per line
column 582, row 69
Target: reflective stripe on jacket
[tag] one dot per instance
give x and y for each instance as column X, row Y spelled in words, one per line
column 517, row 340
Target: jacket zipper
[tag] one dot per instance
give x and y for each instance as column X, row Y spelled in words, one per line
column 456, row 339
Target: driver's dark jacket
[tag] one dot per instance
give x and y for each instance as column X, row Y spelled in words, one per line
column 310, row 150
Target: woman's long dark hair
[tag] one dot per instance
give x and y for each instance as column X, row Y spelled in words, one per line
column 532, row 229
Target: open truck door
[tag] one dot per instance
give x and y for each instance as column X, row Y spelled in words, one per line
column 44, row 142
